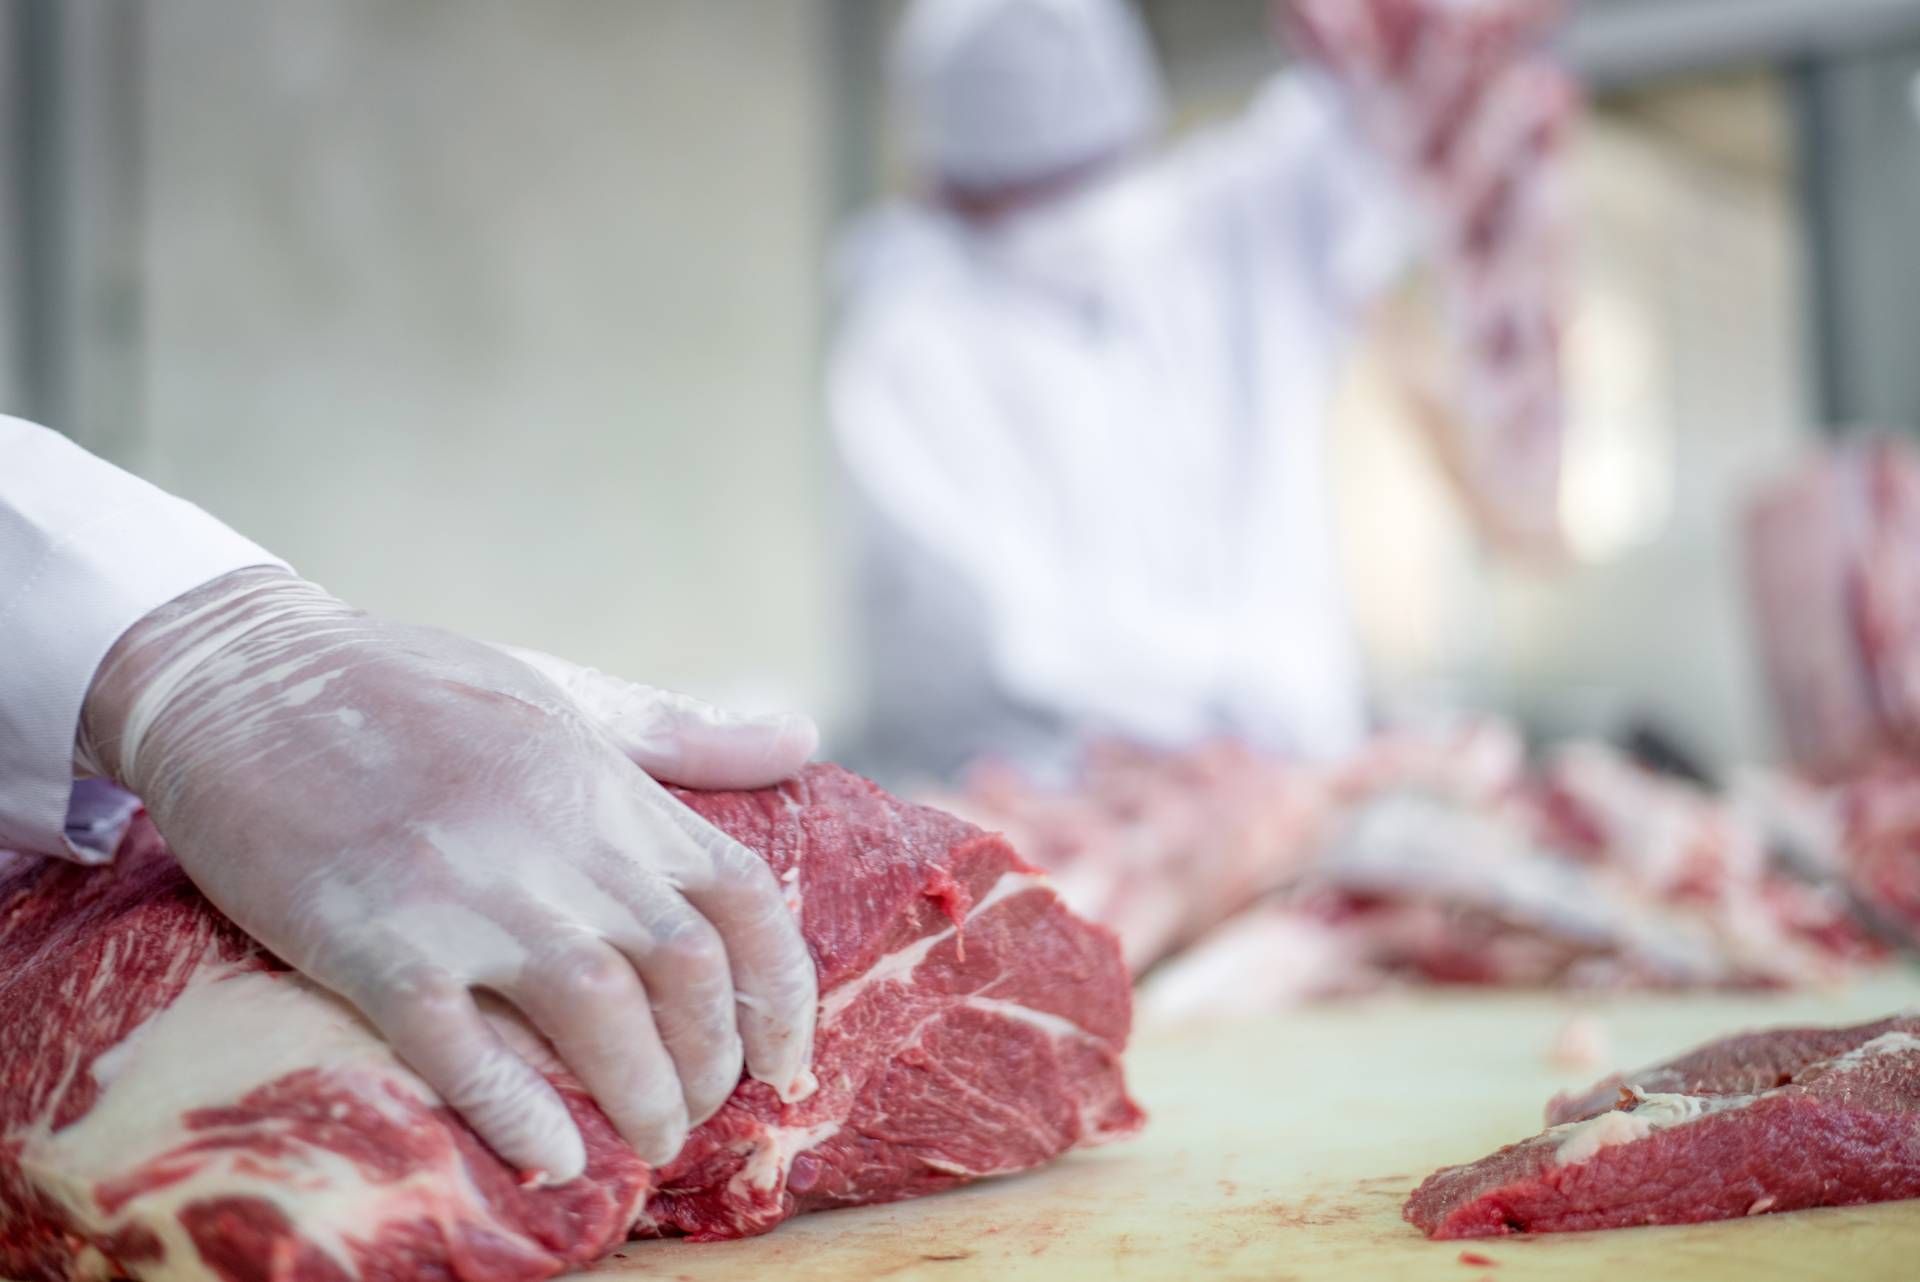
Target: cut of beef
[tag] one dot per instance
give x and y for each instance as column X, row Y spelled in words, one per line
column 176, row 1104
column 1771, row 1121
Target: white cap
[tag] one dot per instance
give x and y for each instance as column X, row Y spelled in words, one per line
column 1002, row 92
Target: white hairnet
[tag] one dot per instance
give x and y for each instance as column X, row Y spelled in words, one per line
column 999, row 92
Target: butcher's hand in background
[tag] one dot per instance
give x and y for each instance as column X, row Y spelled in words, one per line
column 407, row 816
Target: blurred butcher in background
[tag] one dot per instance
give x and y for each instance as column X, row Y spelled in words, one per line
column 1082, row 384
column 1083, row 391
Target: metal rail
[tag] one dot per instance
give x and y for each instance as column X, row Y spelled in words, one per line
column 1617, row 42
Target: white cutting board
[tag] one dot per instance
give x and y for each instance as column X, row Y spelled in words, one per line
column 1282, row 1149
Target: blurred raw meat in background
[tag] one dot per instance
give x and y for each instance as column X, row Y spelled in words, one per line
column 1451, row 856
column 1432, row 857
column 1160, row 847
column 1833, row 554
column 1833, row 559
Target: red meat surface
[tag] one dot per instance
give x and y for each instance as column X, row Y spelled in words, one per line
column 970, row 1026
column 1764, row 1122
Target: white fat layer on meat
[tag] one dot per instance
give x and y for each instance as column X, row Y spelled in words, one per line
column 1052, row 1025
column 230, row 1032
column 1581, row 1141
column 1654, row 1111
column 1056, row 1026
column 771, row 1157
column 1894, row 1043
column 898, row 966
column 1045, row 1020
column 105, row 975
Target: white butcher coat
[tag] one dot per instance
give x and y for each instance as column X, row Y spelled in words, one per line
column 1088, row 448
column 85, row 551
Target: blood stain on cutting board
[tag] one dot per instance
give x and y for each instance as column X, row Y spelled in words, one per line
column 1363, row 1200
column 1235, row 1230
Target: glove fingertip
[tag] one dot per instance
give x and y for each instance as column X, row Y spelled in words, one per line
column 748, row 752
column 546, row 1149
column 567, row 1162
column 797, row 738
column 779, row 1050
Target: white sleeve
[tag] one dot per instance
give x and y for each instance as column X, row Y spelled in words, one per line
column 909, row 426
column 933, row 446
column 86, row 550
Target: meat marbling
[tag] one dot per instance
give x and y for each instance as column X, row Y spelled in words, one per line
column 175, row 1104
column 1779, row 1120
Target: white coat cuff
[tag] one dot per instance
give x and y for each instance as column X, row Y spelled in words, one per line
column 98, row 816
column 90, row 584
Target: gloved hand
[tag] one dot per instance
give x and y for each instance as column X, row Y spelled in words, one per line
column 407, row 816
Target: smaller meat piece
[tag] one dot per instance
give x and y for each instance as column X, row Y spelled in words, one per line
column 1780, row 1120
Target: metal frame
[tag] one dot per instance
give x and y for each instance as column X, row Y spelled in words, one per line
column 1616, row 42
column 1819, row 192
column 74, row 207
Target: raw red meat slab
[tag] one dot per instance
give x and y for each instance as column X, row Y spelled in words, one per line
column 1762, row 1122
column 174, row 1103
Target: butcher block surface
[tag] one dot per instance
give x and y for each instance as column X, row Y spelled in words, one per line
column 1281, row 1149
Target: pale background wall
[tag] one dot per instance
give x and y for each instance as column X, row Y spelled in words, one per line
column 503, row 316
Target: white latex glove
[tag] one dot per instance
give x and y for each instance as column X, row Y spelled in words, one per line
column 407, row 816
